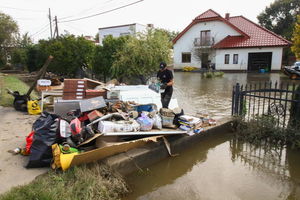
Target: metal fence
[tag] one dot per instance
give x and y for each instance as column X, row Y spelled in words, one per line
column 269, row 99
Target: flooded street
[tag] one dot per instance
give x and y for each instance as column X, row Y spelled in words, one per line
column 213, row 95
column 219, row 167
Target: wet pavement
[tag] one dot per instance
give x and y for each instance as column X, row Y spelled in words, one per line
column 219, row 167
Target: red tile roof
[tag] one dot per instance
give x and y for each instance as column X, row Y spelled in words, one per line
column 259, row 36
column 252, row 35
column 208, row 14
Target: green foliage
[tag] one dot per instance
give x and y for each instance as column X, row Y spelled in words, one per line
column 19, row 56
column 280, row 17
column 8, row 30
column 295, row 110
column 70, row 54
column 213, row 74
column 8, row 34
column 105, row 55
column 263, row 128
column 296, row 39
column 170, row 34
column 93, row 181
column 140, row 57
column 35, row 58
column 15, row 84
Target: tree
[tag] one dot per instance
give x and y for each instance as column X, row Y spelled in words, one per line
column 19, row 55
column 35, row 57
column 104, row 56
column 280, row 17
column 171, row 34
column 296, row 39
column 141, row 56
column 96, row 38
column 70, row 54
column 8, row 33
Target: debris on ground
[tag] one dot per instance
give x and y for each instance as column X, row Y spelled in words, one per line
column 90, row 121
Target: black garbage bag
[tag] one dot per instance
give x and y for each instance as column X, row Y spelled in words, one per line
column 46, row 129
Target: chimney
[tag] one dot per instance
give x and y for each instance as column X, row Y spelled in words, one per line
column 227, row 16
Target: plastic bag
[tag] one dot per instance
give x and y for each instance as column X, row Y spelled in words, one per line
column 45, row 128
column 29, row 140
column 145, row 122
column 157, row 122
column 33, row 107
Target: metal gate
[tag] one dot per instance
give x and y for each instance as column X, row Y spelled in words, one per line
column 277, row 100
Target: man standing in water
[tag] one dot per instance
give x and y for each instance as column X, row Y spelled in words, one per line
column 166, row 77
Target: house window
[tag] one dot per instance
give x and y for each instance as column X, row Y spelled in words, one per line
column 104, row 36
column 205, row 38
column 123, row 34
column 186, row 57
column 226, row 59
column 235, row 58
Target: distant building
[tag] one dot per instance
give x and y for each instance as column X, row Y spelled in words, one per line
column 229, row 43
column 121, row 30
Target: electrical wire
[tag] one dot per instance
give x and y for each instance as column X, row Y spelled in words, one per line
column 101, row 13
column 84, row 11
column 75, row 28
column 40, row 30
column 22, row 9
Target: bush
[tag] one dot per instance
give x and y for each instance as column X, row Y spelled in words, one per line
column 263, row 128
column 213, row 74
column 189, row 68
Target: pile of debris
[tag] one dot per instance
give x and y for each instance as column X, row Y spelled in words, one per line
column 99, row 125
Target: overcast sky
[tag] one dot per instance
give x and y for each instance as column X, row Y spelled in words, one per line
column 32, row 15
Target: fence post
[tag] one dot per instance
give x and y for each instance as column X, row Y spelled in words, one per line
column 236, row 99
column 241, row 111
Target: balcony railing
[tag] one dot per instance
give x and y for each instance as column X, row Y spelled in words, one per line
column 204, row 43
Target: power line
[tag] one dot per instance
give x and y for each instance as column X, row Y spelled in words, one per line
column 41, row 29
column 77, row 29
column 101, row 13
column 22, row 9
column 84, row 11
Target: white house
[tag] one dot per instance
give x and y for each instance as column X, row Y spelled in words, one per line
column 230, row 43
column 121, row 30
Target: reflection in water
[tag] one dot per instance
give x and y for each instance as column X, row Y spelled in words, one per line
column 220, row 167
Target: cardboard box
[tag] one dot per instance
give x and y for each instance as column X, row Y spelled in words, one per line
column 66, row 161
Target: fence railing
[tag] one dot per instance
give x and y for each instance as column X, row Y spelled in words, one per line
column 277, row 100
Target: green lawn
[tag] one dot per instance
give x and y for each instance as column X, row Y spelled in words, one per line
column 89, row 182
column 15, row 84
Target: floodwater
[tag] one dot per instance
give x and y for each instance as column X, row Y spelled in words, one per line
column 212, row 96
column 219, row 167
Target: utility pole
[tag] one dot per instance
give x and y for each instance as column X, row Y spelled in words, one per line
column 56, row 27
column 50, row 20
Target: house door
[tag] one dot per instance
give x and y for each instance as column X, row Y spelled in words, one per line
column 258, row 61
column 204, row 60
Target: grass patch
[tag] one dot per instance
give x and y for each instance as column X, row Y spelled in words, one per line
column 213, row 74
column 15, row 84
column 89, row 182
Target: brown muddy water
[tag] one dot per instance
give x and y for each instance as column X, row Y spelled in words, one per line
column 219, row 167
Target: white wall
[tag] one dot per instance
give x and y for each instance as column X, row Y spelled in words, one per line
column 243, row 58
column 219, row 31
column 118, row 31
